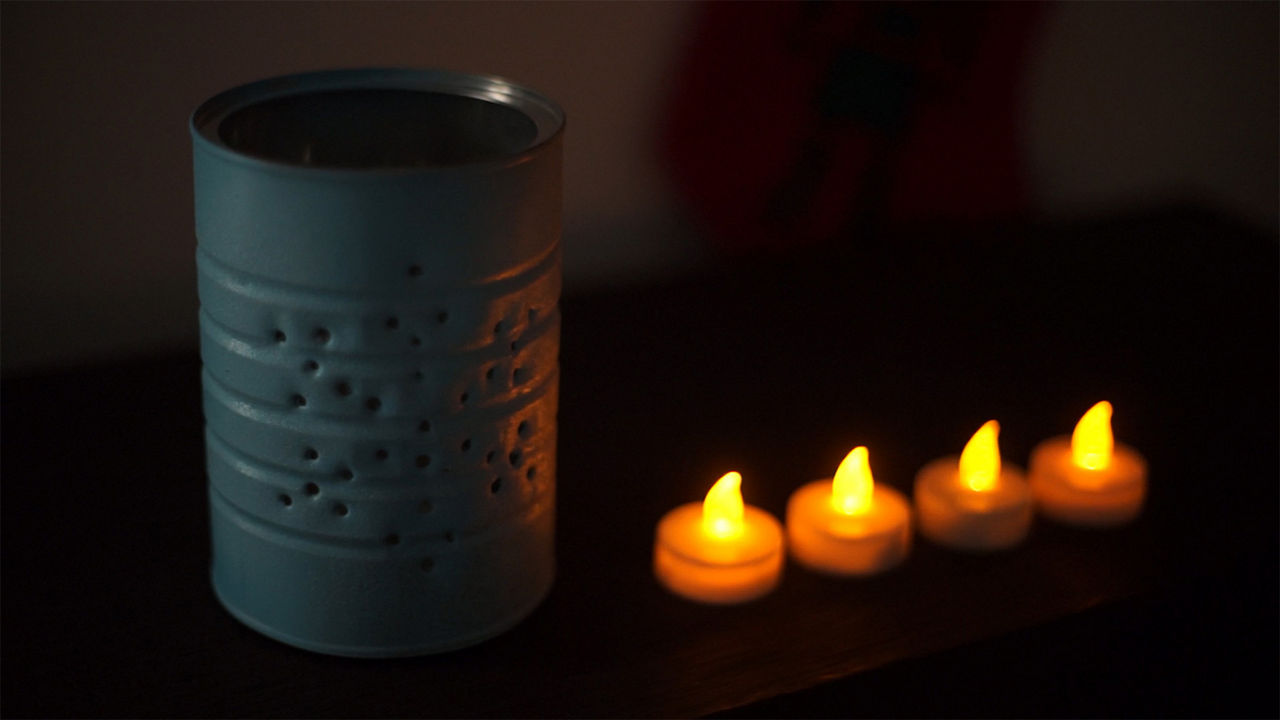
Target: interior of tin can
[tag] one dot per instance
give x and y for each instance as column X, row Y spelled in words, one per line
column 378, row 128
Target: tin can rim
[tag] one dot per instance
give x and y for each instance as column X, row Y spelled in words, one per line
column 547, row 116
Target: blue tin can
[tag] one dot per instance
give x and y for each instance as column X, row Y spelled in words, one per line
column 379, row 277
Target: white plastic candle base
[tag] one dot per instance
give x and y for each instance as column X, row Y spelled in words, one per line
column 825, row 540
column 1074, row 495
column 698, row 567
column 951, row 514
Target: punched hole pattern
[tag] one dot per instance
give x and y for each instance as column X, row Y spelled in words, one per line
column 323, row 336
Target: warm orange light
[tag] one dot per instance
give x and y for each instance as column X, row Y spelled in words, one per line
column 980, row 460
column 852, row 486
column 1092, row 441
column 722, row 509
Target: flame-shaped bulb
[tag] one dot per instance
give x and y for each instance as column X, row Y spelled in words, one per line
column 980, row 459
column 1092, row 441
column 852, row 487
column 722, row 509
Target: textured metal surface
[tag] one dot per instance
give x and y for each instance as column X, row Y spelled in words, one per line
column 380, row 345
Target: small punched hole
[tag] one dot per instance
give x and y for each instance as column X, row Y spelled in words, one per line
column 442, row 317
column 515, row 345
column 321, row 335
column 515, row 458
column 419, row 375
column 285, row 500
column 531, row 473
column 497, row 328
column 462, row 399
column 280, row 337
column 533, row 315
column 374, row 404
column 415, row 271
column 343, row 388
column 424, row 426
column 518, row 375
column 340, row 510
column 415, row 341
column 466, row 445
column 449, row 536
column 311, row 454
column 488, row 374
column 523, row 429
column 299, row 401
column 424, row 507
column 311, row 489
column 391, row 539
column 495, row 486
column 393, row 322
column 422, row 461
column 427, row 564
column 380, row 454
column 488, row 457
column 345, row 473
column 310, row 366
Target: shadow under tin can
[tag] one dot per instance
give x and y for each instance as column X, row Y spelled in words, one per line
column 378, row 254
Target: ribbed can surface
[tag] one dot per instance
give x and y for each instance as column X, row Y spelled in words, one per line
column 379, row 275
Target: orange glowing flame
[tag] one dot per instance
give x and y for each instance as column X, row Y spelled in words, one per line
column 980, row 460
column 852, row 486
column 1092, row 442
column 722, row 509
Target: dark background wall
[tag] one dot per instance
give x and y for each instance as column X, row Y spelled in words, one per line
column 1126, row 103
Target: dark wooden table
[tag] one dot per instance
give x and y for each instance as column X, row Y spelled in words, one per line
column 774, row 367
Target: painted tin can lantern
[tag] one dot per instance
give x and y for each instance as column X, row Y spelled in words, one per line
column 379, row 275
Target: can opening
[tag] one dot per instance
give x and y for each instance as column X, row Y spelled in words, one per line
column 378, row 128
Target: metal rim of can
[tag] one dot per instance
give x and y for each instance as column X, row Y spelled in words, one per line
column 546, row 115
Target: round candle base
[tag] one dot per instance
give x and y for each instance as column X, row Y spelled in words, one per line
column 954, row 515
column 825, row 540
column 1074, row 495
column 698, row 567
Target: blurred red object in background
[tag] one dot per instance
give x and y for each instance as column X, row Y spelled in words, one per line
column 794, row 123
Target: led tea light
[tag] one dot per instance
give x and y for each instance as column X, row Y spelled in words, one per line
column 720, row 550
column 1089, row 479
column 848, row 525
column 976, row 502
